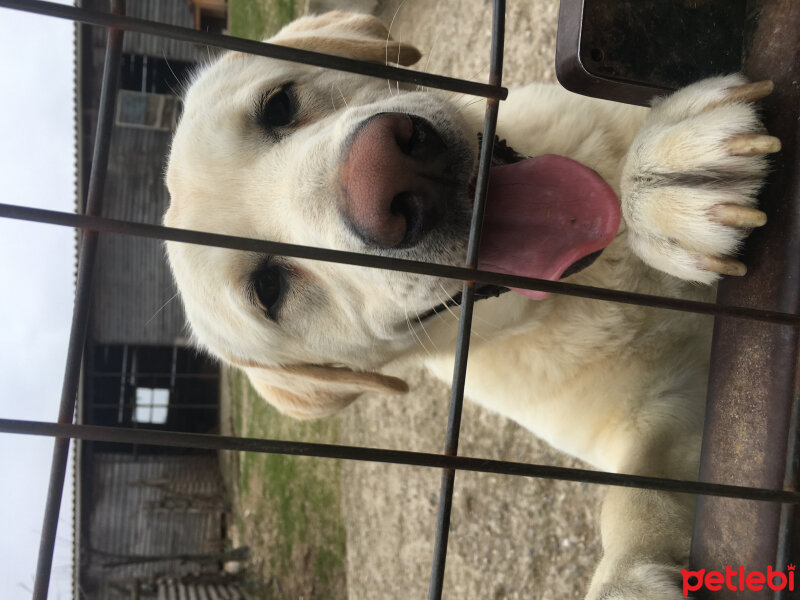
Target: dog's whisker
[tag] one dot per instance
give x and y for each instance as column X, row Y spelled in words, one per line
column 421, row 87
column 475, row 75
column 397, row 83
column 440, row 315
column 461, row 100
column 470, row 103
column 163, row 306
column 169, row 66
column 416, row 336
column 414, row 333
column 386, row 330
column 342, row 95
column 464, row 100
column 446, row 293
column 389, row 31
column 449, row 308
column 388, row 38
column 474, row 315
column 430, row 54
column 457, row 317
column 399, row 46
column 485, row 321
column 427, row 335
column 476, row 334
column 467, row 99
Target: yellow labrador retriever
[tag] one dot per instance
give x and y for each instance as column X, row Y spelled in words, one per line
column 653, row 201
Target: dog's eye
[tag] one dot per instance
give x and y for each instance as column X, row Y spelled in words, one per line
column 277, row 108
column 268, row 285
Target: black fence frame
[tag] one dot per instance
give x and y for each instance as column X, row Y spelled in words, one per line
column 91, row 224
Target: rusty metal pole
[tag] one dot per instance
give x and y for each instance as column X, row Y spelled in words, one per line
column 80, row 315
column 754, row 375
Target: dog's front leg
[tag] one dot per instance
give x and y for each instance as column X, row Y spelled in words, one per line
column 646, row 539
column 647, row 534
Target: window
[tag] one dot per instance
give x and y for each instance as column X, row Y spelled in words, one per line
column 152, row 405
column 147, row 111
column 149, row 88
column 153, row 75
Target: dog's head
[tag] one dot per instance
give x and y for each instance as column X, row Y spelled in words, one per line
column 274, row 150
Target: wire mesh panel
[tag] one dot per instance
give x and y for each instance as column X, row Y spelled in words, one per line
column 91, row 224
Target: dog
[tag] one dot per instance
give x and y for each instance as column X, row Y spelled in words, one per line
column 656, row 201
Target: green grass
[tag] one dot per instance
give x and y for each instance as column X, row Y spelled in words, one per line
column 260, row 18
column 296, row 499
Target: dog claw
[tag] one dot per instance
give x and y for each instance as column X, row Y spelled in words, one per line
column 723, row 265
column 734, row 215
column 750, row 92
column 751, row 144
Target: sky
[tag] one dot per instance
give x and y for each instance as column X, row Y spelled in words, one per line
column 37, row 264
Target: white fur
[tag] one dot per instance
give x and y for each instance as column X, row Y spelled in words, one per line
column 622, row 387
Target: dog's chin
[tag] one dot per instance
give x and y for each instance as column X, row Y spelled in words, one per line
column 482, row 292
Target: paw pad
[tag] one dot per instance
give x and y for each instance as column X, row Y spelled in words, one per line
column 691, row 178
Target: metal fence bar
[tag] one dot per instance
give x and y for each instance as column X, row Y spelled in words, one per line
column 787, row 549
column 393, row 264
column 467, row 303
column 93, row 17
column 171, row 407
column 80, row 315
column 209, row 441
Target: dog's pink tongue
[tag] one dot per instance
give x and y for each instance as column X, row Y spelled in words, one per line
column 544, row 214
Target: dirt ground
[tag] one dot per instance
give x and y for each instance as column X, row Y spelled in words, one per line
column 511, row 538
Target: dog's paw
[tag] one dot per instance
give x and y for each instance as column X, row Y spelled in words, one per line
column 691, row 177
column 642, row 581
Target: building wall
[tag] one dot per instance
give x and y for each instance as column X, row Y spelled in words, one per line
column 174, row 12
column 148, row 506
column 186, row 591
column 133, row 292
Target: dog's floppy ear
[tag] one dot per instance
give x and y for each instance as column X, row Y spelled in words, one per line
column 351, row 35
column 312, row 391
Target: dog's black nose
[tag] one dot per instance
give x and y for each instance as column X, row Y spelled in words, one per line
column 393, row 187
